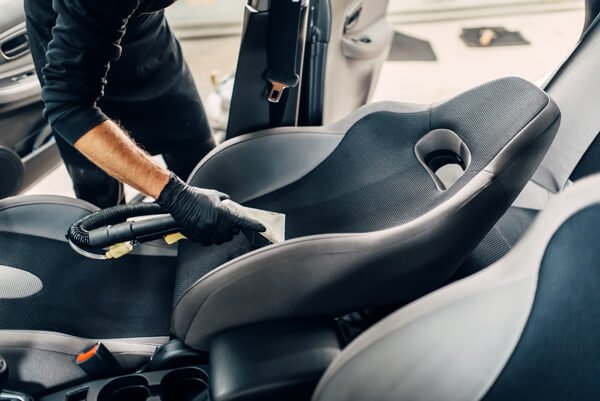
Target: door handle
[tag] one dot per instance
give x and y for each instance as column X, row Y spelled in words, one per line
column 369, row 43
column 16, row 47
column 353, row 16
column 14, row 44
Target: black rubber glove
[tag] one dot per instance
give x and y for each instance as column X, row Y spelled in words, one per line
column 201, row 215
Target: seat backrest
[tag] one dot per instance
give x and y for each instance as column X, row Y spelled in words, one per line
column 370, row 225
column 575, row 88
column 526, row 328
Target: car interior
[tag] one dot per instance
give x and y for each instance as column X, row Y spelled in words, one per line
column 27, row 149
column 439, row 251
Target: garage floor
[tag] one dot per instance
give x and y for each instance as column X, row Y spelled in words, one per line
column 458, row 67
column 552, row 36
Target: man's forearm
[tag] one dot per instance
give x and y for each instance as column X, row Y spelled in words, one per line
column 111, row 149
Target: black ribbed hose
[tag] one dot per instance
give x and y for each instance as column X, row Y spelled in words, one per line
column 79, row 232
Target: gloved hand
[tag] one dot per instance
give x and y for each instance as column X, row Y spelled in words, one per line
column 201, row 215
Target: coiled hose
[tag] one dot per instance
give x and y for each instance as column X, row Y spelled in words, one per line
column 79, row 232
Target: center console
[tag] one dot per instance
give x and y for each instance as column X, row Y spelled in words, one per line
column 271, row 361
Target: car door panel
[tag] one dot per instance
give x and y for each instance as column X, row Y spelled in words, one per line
column 18, row 83
column 368, row 44
column 25, row 139
column 359, row 43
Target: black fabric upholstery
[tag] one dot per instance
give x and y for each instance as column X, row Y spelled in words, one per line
column 195, row 261
column 557, row 357
column 122, row 298
column 373, row 179
column 498, row 242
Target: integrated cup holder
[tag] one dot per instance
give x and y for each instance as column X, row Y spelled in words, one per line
column 128, row 388
column 444, row 155
column 186, row 384
column 183, row 385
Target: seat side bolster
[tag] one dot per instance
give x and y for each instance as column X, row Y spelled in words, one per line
column 253, row 166
column 522, row 156
column 298, row 150
column 285, row 281
column 49, row 216
column 548, row 119
column 439, row 338
column 42, row 216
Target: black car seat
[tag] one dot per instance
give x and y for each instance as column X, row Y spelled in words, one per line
column 574, row 154
column 525, row 329
column 365, row 211
column 370, row 217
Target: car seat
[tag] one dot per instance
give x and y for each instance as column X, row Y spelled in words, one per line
column 523, row 329
column 381, row 208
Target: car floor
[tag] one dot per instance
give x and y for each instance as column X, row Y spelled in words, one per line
column 458, row 67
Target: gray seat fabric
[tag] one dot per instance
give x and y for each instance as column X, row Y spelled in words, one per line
column 368, row 217
column 523, row 329
column 53, row 302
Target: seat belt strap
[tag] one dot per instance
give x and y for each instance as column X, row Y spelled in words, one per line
column 284, row 24
column 574, row 87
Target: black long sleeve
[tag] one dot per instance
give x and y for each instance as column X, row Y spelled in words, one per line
column 85, row 40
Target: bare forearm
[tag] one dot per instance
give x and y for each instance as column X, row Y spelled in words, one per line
column 111, row 149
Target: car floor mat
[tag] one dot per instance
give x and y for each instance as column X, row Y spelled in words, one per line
column 492, row 36
column 408, row 48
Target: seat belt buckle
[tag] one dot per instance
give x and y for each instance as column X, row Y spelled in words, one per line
column 276, row 93
column 98, row 362
column 279, row 85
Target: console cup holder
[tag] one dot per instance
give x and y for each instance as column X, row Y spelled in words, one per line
column 183, row 384
column 129, row 388
column 444, row 155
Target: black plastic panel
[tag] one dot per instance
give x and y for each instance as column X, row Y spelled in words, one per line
column 315, row 64
column 272, row 361
column 250, row 109
column 592, row 10
column 185, row 384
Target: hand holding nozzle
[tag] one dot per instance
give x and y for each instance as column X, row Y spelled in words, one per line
column 201, row 214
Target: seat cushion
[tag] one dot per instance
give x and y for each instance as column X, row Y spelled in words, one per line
column 129, row 297
column 122, row 298
column 54, row 302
